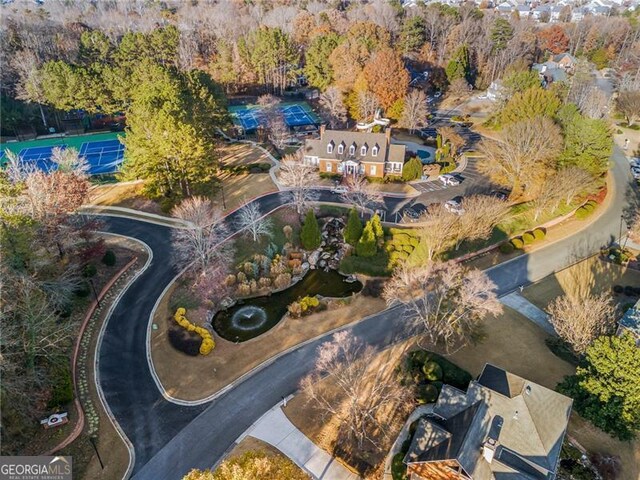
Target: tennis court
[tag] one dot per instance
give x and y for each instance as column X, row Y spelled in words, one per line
column 249, row 117
column 103, row 152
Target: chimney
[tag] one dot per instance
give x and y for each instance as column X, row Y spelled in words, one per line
column 322, row 128
column 489, row 450
column 387, row 134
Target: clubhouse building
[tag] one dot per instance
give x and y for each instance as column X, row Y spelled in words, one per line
column 355, row 153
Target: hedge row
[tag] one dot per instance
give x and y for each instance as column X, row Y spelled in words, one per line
column 527, row 238
column 586, row 210
column 207, row 341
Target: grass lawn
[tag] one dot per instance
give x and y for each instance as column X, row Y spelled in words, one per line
column 250, row 444
column 228, row 361
column 234, row 154
column 589, row 276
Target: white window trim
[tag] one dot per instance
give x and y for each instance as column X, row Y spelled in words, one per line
column 329, row 148
column 340, row 149
column 374, row 151
column 329, row 167
column 373, row 169
column 352, row 150
column 363, row 150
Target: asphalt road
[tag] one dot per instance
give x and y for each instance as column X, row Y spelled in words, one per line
column 170, row 439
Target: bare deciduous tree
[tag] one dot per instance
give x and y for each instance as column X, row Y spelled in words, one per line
column 210, row 284
column 361, row 193
column 367, row 105
column 203, row 241
column 521, row 157
column 416, row 110
column 252, row 222
column 562, row 185
column 438, row 229
column 449, row 135
column 580, row 319
column 68, row 160
column 634, row 229
column 629, row 105
column 446, row 301
column 481, row 214
column 361, row 397
column 333, row 107
column 300, row 179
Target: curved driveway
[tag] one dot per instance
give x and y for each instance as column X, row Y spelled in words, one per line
column 170, row 439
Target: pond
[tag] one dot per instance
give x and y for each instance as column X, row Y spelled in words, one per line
column 253, row 316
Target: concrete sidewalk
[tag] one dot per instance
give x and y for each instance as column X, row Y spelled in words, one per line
column 529, row 310
column 275, row 428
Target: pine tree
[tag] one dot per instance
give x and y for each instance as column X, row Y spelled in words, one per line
column 376, row 224
column 353, row 230
column 310, row 236
column 605, row 386
column 458, row 66
column 367, row 244
column 412, row 170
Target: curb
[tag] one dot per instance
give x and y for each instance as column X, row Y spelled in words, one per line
column 75, row 433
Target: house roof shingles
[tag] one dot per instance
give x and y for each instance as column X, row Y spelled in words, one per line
column 528, row 420
column 386, row 153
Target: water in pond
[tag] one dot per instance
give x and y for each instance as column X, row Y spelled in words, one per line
column 251, row 317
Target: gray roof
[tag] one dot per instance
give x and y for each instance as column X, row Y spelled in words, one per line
column 386, row 152
column 631, row 319
column 527, row 420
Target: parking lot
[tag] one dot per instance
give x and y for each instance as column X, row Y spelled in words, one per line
column 470, row 176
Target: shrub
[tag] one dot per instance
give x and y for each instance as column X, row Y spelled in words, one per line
column 373, row 288
column 528, row 238
column 539, row 233
column 309, row 303
column 310, row 235
column 398, row 468
column 89, row 270
column 618, row 289
column 412, row 170
column 432, row 371
column 517, row 243
column 506, row 248
column 207, row 343
column 427, row 393
column 62, row 391
column 184, row 340
column 367, row 245
column 109, row 258
column 447, row 167
column 282, row 281
column 353, row 230
column 83, row 290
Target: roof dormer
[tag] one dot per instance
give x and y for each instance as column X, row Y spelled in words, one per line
column 352, row 148
column 363, row 149
column 341, row 148
column 375, row 150
column 330, row 146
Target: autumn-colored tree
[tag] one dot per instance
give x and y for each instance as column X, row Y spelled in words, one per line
column 387, row 77
column 252, row 465
column 553, row 39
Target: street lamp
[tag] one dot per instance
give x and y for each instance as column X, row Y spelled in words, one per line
column 224, row 203
column 620, row 236
column 95, row 293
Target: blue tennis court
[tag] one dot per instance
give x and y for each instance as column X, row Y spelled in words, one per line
column 40, row 156
column 249, row 117
column 103, row 156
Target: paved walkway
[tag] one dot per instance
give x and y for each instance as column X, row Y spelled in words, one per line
column 529, row 310
column 275, row 428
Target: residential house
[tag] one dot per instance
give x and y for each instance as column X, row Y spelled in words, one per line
column 541, row 11
column 503, row 427
column 550, row 72
column 630, row 322
column 355, row 153
column 566, row 61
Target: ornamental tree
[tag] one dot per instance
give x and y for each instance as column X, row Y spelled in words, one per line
column 310, row 235
column 353, row 229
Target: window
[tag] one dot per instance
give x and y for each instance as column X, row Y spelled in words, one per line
column 374, row 151
column 328, row 167
column 363, row 150
column 341, row 149
column 373, row 169
column 352, row 150
column 330, row 148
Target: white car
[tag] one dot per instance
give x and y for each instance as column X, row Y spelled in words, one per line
column 448, row 179
column 635, row 171
column 339, row 190
column 454, row 205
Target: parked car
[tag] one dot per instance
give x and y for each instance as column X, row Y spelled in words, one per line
column 410, row 214
column 454, row 205
column 339, row 189
column 499, row 194
column 635, row 171
column 448, row 179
